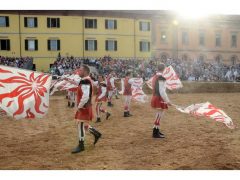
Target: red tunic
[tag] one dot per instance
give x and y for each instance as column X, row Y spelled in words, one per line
column 127, row 87
column 99, row 92
column 109, row 86
column 157, row 101
column 85, row 113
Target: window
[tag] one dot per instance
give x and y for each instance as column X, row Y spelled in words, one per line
column 91, row 45
column 31, row 44
column 4, row 21
column 144, row 46
column 30, row 22
column 233, row 60
column 110, row 24
column 234, row 40
column 53, row 45
column 111, row 45
column 144, row 26
column 185, row 38
column 4, row 44
column 218, row 40
column 53, row 22
column 91, row 23
column 201, row 58
column 201, row 39
column 218, row 58
column 163, row 37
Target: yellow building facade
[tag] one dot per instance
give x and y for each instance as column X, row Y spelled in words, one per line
column 93, row 34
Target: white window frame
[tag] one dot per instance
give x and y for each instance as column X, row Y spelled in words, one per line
column 4, row 21
column 31, row 42
column 30, row 22
column 110, row 24
column 145, row 46
column 201, row 35
column 218, row 36
column 5, row 45
column 235, row 45
column 111, row 45
column 91, row 45
column 144, row 26
column 52, row 41
column 185, row 40
column 94, row 24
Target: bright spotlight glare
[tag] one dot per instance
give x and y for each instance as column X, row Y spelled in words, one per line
column 193, row 13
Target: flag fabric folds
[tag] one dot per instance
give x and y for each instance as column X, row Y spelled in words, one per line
column 66, row 82
column 208, row 110
column 24, row 93
column 172, row 79
column 137, row 92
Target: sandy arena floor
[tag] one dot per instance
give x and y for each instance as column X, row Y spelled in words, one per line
column 190, row 143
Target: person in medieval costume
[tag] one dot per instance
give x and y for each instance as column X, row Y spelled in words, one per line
column 160, row 100
column 84, row 114
column 101, row 97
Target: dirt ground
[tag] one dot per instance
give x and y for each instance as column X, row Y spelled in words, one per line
column 190, row 143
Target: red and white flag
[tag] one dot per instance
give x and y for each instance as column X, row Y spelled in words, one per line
column 208, row 110
column 23, row 93
column 67, row 82
column 137, row 92
column 172, row 79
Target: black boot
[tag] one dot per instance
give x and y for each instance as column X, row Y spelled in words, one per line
column 117, row 97
column 126, row 114
column 98, row 120
column 129, row 113
column 156, row 133
column 73, row 104
column 69, row 104
column 96, row 134
column 110, row 104
column 160, row 132
column 79, row 148
column 108, row 115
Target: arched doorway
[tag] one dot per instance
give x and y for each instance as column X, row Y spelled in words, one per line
column 218, row 58
column 163, row 57
column 185, row 57
column 233, row 60
column 201, row 58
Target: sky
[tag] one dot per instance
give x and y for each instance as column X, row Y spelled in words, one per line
column 183, row 7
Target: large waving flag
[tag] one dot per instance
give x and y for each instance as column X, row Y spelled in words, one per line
column 137, row 92
column 172, row 79
column 208, row 110
column 23, row 93
column 66, row 82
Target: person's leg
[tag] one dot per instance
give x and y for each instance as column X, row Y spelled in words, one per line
column 156, row 131
column 81, row 135
column 126, row 106
column 68, row 97
column 94, row 132
column 110, row 93
column 116, row 93
column 103, row 110
column 98, row 104
column 129, row 102
column 72, row 99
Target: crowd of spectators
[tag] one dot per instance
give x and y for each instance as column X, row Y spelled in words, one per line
column 18, row 62
column 194, row 70
column 191, row 70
